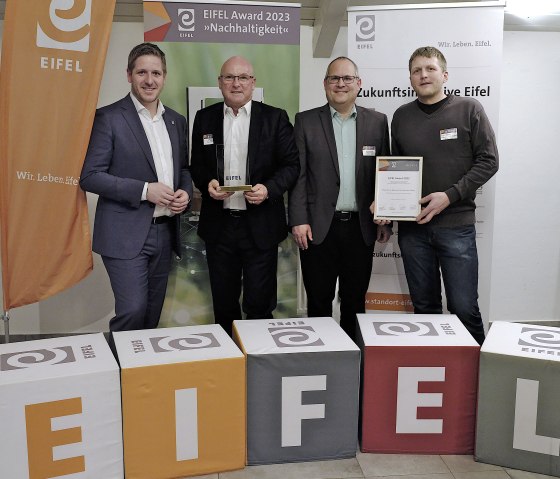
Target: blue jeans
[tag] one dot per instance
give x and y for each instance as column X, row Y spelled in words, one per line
column 425, row 250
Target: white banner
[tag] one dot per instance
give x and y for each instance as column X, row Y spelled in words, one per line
column 381, row 40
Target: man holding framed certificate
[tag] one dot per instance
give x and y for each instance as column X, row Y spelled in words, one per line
column 458, row 146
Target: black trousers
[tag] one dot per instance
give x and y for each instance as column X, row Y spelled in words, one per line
column 343, row 255
column 235, row 263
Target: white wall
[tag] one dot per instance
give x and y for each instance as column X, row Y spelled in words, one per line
column 526, row 260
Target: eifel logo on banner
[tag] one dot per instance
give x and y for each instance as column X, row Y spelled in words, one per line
column 365, row 28
column 185, row 19
column 295, row 336
column 65, row 25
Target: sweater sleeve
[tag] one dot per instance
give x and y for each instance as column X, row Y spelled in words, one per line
column 484, row 158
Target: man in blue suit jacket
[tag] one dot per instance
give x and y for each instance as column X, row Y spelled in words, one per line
column 137, row 163
column 244, row 141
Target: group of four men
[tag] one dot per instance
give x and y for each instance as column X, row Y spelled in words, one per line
column 137, row 162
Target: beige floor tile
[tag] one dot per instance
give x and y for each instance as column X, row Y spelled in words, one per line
column 481, row 475
column 415, row 476
column 516, row 474
column 338, row 469
column 457, row 463
column 400, row 464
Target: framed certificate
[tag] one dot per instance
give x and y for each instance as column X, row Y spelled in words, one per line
column 398, row 187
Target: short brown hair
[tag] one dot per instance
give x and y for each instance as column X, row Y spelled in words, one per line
column 342, row 58
column 145, row 49
column 428, row 52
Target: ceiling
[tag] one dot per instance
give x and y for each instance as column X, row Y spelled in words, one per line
column 327, row 16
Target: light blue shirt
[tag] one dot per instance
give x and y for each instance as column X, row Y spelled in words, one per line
column 345, row 137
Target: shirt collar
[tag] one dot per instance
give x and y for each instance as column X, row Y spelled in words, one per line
column 141, row 108
column 335, row 113
column 245, row 108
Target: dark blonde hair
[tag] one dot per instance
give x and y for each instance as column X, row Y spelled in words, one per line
column 428, row 52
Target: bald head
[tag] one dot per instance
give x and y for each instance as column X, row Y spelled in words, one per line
column 237, row 82
column 237, row 62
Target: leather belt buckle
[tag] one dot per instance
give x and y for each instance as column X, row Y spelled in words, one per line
column 158, row 220
column 237, row 213
column 343, row 215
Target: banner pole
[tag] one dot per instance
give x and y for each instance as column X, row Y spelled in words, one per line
column 6, row 319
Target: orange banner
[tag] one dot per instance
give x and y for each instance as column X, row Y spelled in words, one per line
column 53, row 55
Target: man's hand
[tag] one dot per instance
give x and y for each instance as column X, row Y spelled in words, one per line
column 384, row 232
column 436, row 203
column 159, row 194
column 302, row 234
column 257, row 195
column 180, row 202
column 215, row 192
column 378, row 222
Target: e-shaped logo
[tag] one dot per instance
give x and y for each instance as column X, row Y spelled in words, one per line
column 365, row 25
column 165, row 344
column 404, row 328
column 185, row 19
column 65, row 25
column 295, row 336
column 539, row 338
column 36, row 357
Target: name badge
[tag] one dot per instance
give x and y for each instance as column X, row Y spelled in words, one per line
column 368, row 150
column 448, row 134
column 207, row 140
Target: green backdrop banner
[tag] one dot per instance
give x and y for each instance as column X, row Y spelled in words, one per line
column 197, row 38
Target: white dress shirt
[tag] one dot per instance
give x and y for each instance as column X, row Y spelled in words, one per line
column 236, row 147
column 160, row 145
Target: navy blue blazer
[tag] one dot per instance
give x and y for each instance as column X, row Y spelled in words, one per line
column 118, row 162
column 272, row 160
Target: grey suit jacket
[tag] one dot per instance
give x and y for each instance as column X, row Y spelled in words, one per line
column 313, row 200
column 118, row 162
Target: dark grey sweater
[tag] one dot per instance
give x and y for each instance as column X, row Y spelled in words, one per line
column 459, row 150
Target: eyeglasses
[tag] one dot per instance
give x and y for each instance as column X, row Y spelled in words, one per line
column 243, row 79
column 334, row 79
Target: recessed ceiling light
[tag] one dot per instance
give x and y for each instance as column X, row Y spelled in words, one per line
column 534, row 8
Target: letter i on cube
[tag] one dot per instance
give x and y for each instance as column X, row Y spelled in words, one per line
column 302, row 389
column 419, row 384
column 183, row 397
column 518, row 424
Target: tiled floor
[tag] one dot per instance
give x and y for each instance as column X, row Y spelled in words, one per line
column 381, row 466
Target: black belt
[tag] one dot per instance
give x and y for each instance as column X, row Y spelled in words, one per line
column 236, row 213
column 345, row 215
column 158, row 220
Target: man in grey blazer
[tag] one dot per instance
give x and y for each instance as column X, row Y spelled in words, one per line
column 137, row 163
column 329, row 208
